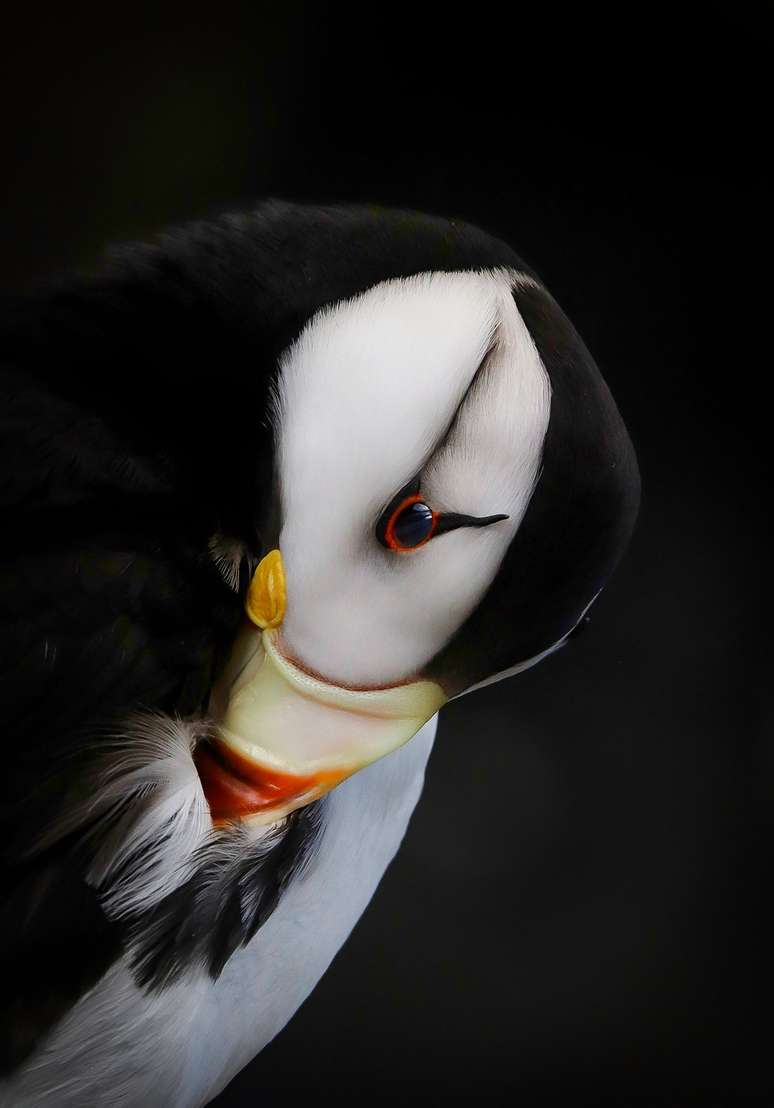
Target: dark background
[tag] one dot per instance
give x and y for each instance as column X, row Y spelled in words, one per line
column 579, row 910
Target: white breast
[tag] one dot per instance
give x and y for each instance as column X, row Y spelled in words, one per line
column 122, row 1047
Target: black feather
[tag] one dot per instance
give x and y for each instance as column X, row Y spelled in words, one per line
column 235, row 888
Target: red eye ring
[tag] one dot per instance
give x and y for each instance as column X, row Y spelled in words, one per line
column 390, row 538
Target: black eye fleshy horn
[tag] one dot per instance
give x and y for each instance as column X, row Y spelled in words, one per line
column 450, row 521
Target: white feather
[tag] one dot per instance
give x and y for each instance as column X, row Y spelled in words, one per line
column 365, row 394
column 145, row 810
column 227, row 554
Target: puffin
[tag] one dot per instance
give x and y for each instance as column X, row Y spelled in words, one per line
column 277, row 486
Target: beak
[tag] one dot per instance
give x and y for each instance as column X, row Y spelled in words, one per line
column 286, row 737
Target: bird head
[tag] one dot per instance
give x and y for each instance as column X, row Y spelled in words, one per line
column 452, row 486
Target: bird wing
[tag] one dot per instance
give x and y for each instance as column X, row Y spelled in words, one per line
column 109, row 604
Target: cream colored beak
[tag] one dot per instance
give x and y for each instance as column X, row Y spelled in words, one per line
column 287, row 737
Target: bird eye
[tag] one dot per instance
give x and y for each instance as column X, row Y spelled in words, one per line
column 410, row 524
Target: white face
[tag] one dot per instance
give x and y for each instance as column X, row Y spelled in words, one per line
column 366, row 396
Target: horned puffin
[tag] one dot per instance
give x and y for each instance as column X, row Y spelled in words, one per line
column 277, row 486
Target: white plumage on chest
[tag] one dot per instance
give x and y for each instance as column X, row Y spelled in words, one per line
column 185, row 1043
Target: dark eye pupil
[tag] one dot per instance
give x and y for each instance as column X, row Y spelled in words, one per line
column 413, row 525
